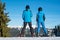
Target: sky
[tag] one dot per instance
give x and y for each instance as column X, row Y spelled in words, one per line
column 51, row 10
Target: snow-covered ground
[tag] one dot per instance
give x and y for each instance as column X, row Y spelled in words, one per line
column 30, row 38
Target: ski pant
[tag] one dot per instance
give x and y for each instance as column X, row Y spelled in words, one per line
column 24, row 27
column 43, row 26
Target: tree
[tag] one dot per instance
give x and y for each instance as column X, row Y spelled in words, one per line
column 57, row 30
column 4, row 19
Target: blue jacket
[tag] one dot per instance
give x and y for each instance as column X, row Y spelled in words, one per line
column 40, row 16
column 27, row 16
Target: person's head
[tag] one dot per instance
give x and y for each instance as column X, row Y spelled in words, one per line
column 27, row 7
column 40, row 9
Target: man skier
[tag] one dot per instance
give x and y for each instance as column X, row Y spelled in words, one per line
column 40, row 21
column 27, row 15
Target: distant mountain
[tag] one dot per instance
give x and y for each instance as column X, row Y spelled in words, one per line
column 14, row 32
column 21, row 26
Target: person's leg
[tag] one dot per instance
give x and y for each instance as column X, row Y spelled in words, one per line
column 23, row 29
column 43, row 26
column 31, row 29
column 38, row 29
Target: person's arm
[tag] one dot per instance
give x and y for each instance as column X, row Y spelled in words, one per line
column 23, row 15
column 44, row 17
column 37, row 18
column 31, row 13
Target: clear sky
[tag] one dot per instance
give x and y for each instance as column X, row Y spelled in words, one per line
column 51, row 9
